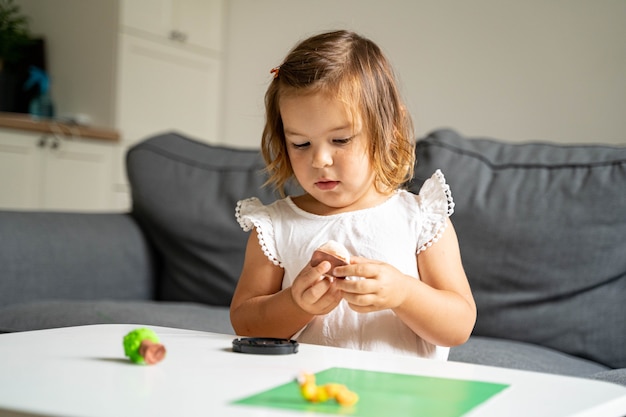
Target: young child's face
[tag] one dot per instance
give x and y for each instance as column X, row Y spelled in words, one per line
column 328, row 151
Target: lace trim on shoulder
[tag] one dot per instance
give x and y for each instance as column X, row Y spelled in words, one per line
column 251, row 213
column 437, row 205
column 446, row 189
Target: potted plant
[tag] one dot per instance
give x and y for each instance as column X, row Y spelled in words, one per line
column 15, row 40
column 14, row 34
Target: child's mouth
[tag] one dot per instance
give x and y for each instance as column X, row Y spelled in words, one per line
column 326, row 185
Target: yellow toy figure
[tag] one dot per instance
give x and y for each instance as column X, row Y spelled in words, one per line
column 317, row 394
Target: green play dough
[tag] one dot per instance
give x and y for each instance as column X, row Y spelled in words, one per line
column 132, row 341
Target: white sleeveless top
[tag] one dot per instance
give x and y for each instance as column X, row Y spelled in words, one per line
column 392, row 232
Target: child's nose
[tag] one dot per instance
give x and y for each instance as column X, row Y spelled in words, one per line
column 322, row 158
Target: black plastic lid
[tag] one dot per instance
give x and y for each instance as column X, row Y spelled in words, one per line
column 265, row 346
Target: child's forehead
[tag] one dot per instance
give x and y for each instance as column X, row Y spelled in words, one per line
column 321, row 100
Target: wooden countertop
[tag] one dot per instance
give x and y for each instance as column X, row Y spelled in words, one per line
column 26, row 122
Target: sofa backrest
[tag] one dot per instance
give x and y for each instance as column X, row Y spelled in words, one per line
column 184, row 194
column 542, row 230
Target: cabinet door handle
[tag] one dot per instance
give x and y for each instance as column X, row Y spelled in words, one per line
column 178, row 36
column 53, row 141
column 43, row 141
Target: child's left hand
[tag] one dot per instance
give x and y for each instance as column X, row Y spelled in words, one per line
column 384, row 286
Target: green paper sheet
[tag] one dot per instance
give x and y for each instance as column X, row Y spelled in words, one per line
column 384, row 394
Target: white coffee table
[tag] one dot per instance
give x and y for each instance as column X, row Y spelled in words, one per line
column 81, row 371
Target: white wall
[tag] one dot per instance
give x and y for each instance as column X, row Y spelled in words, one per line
column 517, row 70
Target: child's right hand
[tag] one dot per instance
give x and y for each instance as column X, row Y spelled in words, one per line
column 312, row 292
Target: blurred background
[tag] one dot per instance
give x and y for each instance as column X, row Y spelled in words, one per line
column 537, row 70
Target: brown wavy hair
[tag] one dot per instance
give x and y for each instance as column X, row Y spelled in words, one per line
column 354, row 69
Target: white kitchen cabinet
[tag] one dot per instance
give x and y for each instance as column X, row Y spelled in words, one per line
column 168, row 73
column 45, row 171
column 21, row 162
column 193, row 23
column 168, row 84
column 162, row 88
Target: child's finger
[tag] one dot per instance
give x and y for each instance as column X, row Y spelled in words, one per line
column 360, row 269
column 313, row 273
column 358, row 259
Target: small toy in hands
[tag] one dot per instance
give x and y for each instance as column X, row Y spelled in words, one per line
column 142, row 346
column 322, row 393
column 333, row 252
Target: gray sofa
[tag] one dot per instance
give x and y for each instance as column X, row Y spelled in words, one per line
column 542, row 229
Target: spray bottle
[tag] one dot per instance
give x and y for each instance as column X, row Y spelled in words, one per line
column 41, row 106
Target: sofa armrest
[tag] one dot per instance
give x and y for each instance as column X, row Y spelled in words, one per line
column 77, row 256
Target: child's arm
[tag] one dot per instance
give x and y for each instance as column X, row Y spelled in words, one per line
column 439, row 307
column 261, row 308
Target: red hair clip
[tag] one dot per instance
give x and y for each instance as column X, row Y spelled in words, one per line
column 275, row 71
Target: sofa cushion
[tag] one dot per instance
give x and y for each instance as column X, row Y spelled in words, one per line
column 616, row 376
column 521, row 355
column 184, row 195
column 541, row 229
column 65, row 313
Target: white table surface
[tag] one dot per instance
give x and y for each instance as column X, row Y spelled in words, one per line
column 82, row 371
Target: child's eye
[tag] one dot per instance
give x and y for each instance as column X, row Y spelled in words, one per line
column 344, row 141
column 303, row 145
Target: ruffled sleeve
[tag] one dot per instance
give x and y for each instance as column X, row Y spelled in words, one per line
column 252, row 214
column 436, row 204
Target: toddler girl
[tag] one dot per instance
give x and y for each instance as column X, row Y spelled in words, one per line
column 336, row 124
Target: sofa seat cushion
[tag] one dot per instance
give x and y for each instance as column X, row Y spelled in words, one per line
column 616, row 376
column 525, row 356
column 65, row 313
column 541, row 229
